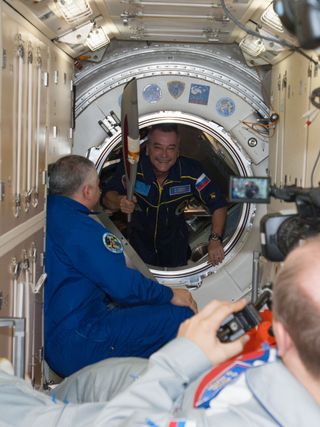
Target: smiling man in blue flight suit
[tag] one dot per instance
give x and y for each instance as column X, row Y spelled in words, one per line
column 165, row 183
column 95, row 306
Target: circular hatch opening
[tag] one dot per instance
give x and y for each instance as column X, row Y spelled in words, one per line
column 221, row 157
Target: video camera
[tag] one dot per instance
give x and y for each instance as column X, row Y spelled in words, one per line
column 279, row 232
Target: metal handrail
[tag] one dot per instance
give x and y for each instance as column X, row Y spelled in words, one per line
column 19, row 332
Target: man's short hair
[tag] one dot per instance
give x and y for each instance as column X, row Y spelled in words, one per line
column 294, row 306
column 164, row 127
column 68, row 174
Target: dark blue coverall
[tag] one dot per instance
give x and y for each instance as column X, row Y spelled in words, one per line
column 95, row 306
column 159, row 231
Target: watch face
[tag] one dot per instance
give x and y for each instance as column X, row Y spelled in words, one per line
column 214, row 236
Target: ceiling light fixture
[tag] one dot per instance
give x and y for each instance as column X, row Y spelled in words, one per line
column 97, row 38
column 73, row 10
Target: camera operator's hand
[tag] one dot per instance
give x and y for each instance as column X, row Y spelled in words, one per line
column 202, row 330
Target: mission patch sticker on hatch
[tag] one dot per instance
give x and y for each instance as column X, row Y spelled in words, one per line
column 199, row 94
column 225, row 106
column 202, row 182
column 112, row 243
column 180, row 189
column 152, row 93
column 176, row 88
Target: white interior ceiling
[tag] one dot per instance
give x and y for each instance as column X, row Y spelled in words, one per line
column 186, row 21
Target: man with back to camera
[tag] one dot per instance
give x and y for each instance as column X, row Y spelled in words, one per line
column 165, row 182
column 95, row 306
column 281, row 389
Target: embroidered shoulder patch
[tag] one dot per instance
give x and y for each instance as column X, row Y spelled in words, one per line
column 179, row 189
column 202, row 182
column 112, row 243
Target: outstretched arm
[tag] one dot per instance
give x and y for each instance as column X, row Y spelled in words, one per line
column 215, row 247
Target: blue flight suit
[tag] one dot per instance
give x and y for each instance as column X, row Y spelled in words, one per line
column 95, row 307
column 159, row 231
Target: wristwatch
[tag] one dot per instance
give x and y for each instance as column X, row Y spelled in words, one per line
column 215, row 236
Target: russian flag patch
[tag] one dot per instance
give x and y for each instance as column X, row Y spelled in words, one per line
column 202, row 182
column 181, row 423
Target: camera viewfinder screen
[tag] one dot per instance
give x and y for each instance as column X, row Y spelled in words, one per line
column 249, row 189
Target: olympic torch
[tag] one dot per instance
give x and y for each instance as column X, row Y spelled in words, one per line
column 130, row 135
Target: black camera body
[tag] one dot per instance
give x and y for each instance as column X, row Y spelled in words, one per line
column 269, row 226
column 301, row 18
column 280, row 232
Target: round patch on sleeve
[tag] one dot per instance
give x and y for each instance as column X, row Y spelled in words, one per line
column 112, row 243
